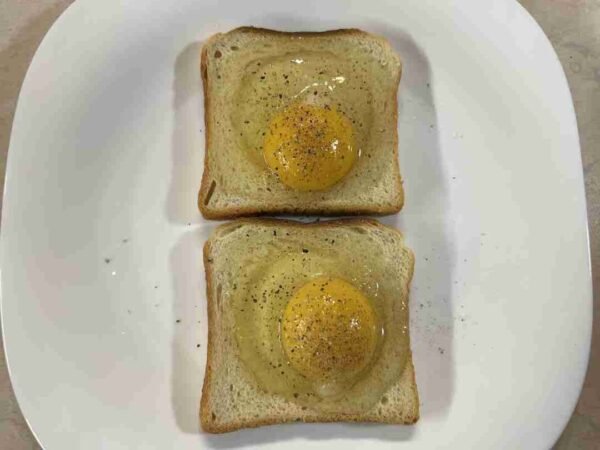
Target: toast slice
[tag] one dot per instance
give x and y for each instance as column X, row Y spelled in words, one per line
column 231, row 397
column 237, row 181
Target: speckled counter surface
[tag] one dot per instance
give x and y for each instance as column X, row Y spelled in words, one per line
column 573, row 26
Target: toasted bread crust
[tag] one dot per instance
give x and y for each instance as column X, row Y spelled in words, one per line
column 210, row 427
column 232, row 212
column 204, row 185
column 205, row 422
column 268, row 418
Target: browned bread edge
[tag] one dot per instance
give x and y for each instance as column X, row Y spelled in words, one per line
column 205, row 420
column 242, row 211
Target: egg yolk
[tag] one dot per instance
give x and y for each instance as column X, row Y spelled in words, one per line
column 329, row 330
column 309, row 147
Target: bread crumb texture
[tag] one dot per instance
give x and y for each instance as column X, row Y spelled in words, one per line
column 231, row 396
column 250, row 75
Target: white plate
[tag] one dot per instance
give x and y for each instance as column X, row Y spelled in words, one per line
column 101, row 239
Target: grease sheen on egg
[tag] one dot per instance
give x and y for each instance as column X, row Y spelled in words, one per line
column 275, row 92
column 310, row 147
column 329, row 333
column 280, row 270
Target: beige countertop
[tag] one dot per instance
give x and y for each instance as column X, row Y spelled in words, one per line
column 573, row 26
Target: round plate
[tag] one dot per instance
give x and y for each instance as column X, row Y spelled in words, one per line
column 103, row 302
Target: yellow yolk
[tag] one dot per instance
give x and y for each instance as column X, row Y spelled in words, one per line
column 329, row 330
column 309, row 147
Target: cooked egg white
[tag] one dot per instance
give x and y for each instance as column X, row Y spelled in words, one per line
column 319, row 325
column 303, row 116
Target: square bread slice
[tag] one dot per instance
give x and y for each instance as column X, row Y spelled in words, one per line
column 236, row 180
column 231, row 397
